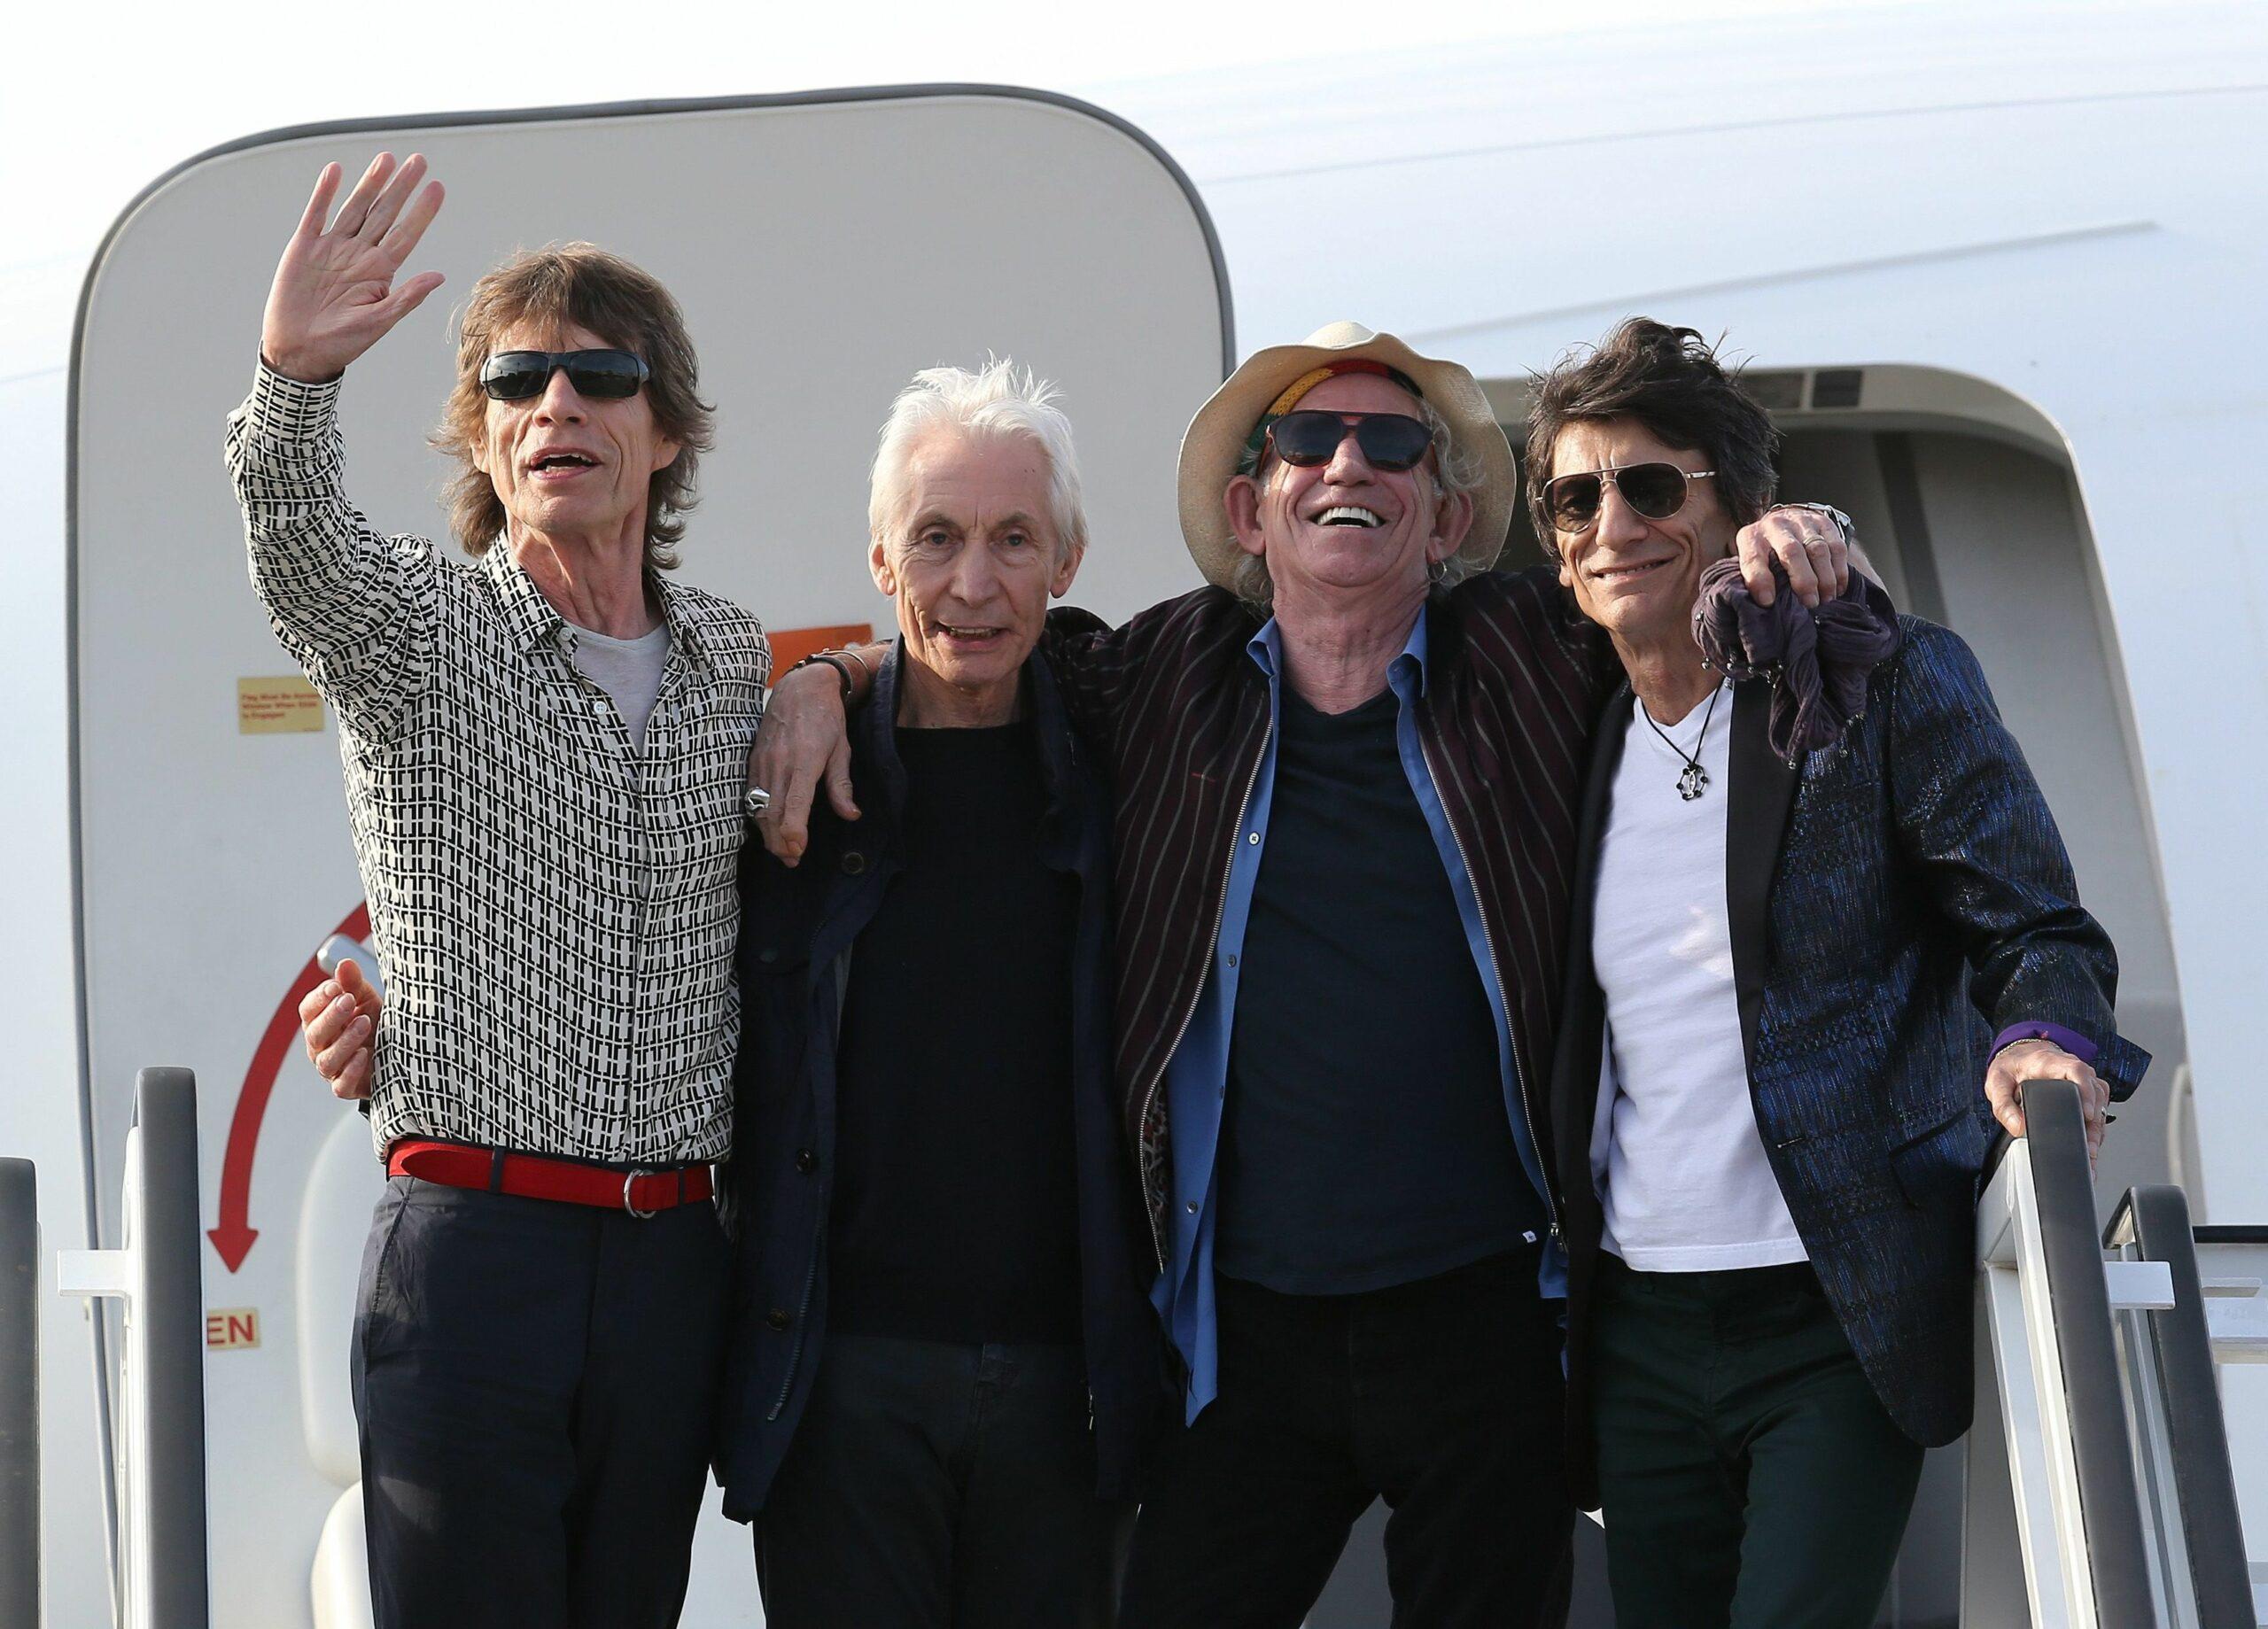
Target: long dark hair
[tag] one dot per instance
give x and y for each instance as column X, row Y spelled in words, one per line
column 1670, row 381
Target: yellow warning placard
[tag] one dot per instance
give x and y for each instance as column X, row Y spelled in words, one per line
column 231, row 1328
column 285, row 706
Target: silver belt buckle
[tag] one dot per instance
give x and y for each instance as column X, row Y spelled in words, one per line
column 629, row 1177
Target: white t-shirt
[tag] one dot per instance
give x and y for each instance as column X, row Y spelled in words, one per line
column 1680, row 1169
column 629, row 671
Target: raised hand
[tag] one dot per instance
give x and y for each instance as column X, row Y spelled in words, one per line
column 334, row 295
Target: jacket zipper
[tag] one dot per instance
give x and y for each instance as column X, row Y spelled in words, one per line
column 1496, row 971
column 1212, row 948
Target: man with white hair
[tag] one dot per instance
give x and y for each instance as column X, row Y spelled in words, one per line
column 943, row 1373
column 1345, row 776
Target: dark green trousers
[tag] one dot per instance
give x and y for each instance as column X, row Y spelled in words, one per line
column 1750, row 1477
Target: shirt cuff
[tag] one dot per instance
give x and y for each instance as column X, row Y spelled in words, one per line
column 284, row 409
column 2071, row 1040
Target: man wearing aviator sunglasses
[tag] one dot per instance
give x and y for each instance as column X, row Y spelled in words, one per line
column 1345, row 772
column 1794, row 936
column 545, row 753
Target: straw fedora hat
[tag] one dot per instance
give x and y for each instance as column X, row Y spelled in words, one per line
column 1216, row 438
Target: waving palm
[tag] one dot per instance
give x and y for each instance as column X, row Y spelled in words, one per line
column 334, row 295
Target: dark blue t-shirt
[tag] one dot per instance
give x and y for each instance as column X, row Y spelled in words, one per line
column 1364, row 1142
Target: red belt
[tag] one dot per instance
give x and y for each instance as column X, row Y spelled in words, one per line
column 538, row 1176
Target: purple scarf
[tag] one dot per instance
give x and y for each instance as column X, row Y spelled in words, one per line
column 1817, row 657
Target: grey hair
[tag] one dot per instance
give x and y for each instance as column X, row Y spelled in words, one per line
column 996, row 400
column 1462, row 471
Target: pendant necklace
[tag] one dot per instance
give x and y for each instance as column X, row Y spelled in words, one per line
column 1692, row 780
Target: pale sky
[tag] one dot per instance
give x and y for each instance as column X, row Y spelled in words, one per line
column 100, row 99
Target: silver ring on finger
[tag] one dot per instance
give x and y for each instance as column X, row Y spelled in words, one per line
column 757, row 800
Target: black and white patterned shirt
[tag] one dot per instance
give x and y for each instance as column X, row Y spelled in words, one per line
column 556, row 910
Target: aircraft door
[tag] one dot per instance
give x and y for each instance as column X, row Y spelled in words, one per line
column 824, row 248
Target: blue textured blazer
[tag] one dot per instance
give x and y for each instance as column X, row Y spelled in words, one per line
column 1894, row 903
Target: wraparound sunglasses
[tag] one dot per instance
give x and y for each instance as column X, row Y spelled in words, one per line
column 1309, row 436
column 603, row 375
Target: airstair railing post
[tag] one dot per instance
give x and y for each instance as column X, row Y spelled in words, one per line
column 2154, row 1222
column 1997, row 1561
column 19, row 1582
column 2067, row 1480
column 172, row 1349
column 2072, row 1250
column 157, row 1276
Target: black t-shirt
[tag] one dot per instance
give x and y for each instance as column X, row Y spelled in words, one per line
column 1365, row 1141
column 955, row 1213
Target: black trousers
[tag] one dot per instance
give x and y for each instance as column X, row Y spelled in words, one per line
column 536, row 1387
column 1750, row 1477
column 933, row 1485
column 1443, row 1398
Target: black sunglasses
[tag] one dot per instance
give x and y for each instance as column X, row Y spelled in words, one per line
column 1656, row 491
column 606, row 376
column 1389, row 441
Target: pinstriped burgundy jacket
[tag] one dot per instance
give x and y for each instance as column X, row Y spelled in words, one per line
column 1181, row 714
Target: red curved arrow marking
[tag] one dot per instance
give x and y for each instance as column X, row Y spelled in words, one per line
column 233, row 1238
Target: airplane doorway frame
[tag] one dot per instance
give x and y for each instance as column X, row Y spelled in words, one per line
column 103, row 1338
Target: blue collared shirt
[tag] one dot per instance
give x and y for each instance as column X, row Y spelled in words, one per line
column 1197, row 1078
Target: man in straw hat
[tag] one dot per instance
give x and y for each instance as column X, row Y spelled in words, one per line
column 1346, row 775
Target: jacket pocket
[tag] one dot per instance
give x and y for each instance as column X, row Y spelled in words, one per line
column 1939, row 1164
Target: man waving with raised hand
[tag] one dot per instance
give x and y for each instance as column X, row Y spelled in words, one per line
column 544, row 754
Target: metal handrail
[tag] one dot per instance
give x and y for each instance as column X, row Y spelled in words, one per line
column 2154, row 1223
column 19, row 1530
column 2063, row 1177
column 158, row 1273
column 2059, row 1481
column 173, row 1311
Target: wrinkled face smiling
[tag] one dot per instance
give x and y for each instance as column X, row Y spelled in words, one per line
column 1636, row 577
column 1343, row 529
column 972, row 561
column 568, row 465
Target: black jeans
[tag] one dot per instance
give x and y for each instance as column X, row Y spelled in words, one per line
column 1751, row 1477
column 933, row 1485
column 1441, row 1397
column 537, row 1388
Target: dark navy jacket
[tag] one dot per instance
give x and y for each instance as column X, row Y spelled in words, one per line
column 797, row 934
column 1894, row 903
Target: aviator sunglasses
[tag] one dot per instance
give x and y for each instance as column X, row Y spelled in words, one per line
column 1309, row 436
column 609, row 375
column 1656, row 491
